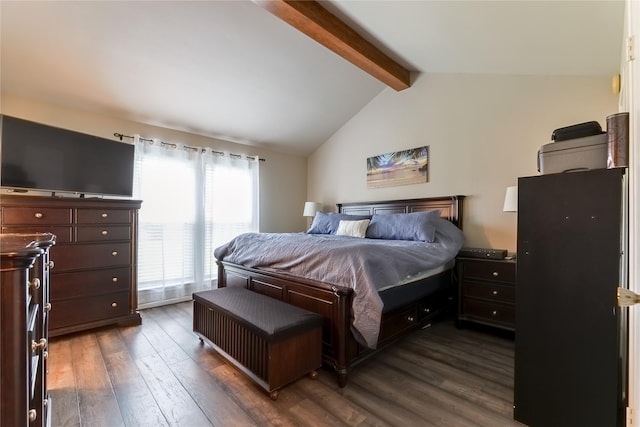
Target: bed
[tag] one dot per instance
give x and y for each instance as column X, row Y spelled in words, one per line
column 405, row 308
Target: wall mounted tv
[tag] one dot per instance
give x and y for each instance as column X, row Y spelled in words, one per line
column 34, row 156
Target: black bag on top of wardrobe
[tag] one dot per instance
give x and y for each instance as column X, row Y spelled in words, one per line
column 576, row 131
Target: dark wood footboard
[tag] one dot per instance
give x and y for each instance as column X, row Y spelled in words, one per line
column 340, row 350
column 332, row 302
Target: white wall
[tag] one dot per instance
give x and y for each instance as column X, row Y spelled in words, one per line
column 283, row 177
column 483, row 131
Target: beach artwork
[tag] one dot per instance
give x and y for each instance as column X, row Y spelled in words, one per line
column 399, row 168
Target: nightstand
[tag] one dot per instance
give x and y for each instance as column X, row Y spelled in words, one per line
column 486, row 291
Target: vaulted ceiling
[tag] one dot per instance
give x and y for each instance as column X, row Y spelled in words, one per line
column 233, row 70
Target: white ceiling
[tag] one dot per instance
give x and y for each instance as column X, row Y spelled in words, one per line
column 231, row 70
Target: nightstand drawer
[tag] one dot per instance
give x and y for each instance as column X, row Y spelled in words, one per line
column 489, row 291
column 487, row 270
column 491, row 313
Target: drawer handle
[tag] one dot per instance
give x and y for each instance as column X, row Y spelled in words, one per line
column 45, row 354
column 494, row 313
column 51, row 265
column 114, row 304
column 410, row 318
column 40, row 345
column 39, row 215
column 47, row 307
column 104, row 215
column 33, row 415
column 114, row 279
column 495, row 274
column 104, row 232
column 114, row 253
column 426, row 310
column 494, row 292
column 34, row 284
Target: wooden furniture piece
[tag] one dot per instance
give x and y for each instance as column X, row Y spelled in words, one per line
column 24, row 306
column 486, row 291
column 570, row 344
column 94, row 280
column 272, row 342
column 340, row 349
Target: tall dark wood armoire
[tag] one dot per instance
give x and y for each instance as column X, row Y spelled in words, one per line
column 570, row 357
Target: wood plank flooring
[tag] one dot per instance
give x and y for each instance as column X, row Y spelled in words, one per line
column 159, row 374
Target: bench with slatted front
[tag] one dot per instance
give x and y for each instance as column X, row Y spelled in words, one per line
column 272, row 342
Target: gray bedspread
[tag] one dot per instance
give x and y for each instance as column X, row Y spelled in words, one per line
column 364, row 265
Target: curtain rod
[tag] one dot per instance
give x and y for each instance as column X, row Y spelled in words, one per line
column 186, row 147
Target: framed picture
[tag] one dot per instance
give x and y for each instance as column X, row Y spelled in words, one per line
column 398, row 168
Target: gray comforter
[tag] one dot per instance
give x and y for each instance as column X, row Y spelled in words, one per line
column 364, row 265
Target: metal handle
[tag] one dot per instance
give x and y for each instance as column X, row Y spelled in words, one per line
column 51, row 265
column 410, row 318
column 494, row 292
column 40, row 345
column 34, row 284
column 38, row 215
column 426, row 310
column 33, row 415
column 104, row 232
column 495, row 274
column 47, row 307
column 114, row 253
column 114, row 304
column 494, row 313
column 104, row 215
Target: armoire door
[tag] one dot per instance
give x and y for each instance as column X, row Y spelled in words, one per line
column 570, row 359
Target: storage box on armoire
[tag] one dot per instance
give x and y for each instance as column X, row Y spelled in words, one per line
column 572, row 155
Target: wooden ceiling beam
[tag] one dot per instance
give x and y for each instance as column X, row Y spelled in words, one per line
column 318, row 23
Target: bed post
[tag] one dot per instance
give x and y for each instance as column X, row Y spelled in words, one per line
column 222, row 282
column 342, row 318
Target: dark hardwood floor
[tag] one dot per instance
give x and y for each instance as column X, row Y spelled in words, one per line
column 159, row 374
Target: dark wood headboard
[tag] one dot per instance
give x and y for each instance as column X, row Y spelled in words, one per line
column 450, row 207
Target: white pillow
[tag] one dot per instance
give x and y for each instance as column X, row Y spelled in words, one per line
column 353, row 228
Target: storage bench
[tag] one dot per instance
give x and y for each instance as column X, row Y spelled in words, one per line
column 272, row 342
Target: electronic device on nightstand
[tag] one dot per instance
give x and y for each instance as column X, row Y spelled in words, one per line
column 483, row 253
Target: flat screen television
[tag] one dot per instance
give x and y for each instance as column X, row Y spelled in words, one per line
column 34, row 156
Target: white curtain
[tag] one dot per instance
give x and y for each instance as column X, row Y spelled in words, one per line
column 193, row 200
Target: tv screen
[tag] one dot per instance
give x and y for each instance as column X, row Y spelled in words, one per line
column 40, row 157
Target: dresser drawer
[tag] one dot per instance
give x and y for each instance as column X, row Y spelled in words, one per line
column 86, row 283
column 489, row 291
column 62, row 233
column 88, row 309
column 489, row 312
column 78, row 257
column 103, row 233
column 103, row 216
column 486, row 270
column 36, row 216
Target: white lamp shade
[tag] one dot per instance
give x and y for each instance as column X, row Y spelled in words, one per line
column 511, row 200
column 310, row 208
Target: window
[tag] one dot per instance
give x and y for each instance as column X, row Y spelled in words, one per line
column 193, row 201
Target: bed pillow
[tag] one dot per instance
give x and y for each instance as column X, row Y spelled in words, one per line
column 352, row 228
column 418, row 226
column 327, row 223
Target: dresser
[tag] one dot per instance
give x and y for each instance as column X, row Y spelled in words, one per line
column 486, row 290
column 93, row 282
column 24, row 310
